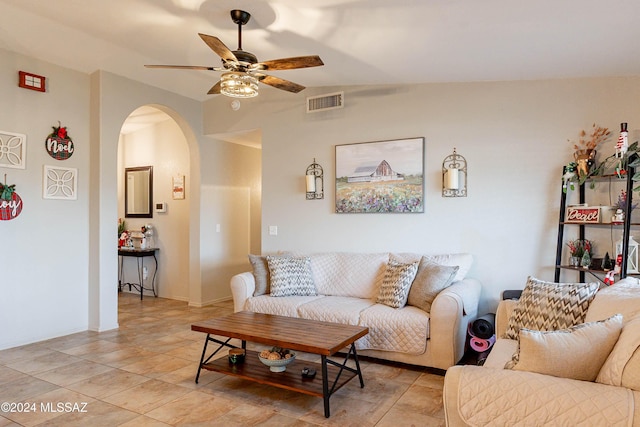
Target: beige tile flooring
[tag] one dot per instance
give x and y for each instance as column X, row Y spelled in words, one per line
column 143, row 375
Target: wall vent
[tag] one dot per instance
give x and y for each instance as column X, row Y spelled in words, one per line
column 329, row 101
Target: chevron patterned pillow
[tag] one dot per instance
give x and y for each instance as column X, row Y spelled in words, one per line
column 548, row 306
column 290, row 276
column 396, row 284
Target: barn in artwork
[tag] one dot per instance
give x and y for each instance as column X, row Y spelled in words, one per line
column 375, row 173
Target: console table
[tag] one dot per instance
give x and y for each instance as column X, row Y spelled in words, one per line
column 140, row 255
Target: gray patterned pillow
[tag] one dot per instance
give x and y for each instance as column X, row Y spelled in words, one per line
column 431, row 278
column 548, row 306
column 396, row 284
column 290, row 276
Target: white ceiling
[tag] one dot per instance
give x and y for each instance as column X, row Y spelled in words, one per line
column 360, row 41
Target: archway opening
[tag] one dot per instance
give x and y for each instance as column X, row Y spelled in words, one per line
column 151, row 137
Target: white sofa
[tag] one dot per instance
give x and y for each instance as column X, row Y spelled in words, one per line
column 492, row 395
column 347, row 285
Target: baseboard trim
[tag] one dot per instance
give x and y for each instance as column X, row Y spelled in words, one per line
column 205, row 303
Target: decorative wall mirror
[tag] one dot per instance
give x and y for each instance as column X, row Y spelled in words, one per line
column 138, row 192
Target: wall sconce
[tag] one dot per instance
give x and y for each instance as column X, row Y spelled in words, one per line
column 454, row 176
column 314, row 181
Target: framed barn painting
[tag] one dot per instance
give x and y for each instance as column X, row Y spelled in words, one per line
column 380, row 177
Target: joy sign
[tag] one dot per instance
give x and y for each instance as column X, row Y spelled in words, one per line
column 10, row 209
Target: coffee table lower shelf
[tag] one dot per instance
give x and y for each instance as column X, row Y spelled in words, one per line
column 291, row 379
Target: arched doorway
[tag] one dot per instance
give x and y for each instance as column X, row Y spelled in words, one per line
column 151, row 137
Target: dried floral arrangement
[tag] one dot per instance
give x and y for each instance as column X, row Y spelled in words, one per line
column 598, row 135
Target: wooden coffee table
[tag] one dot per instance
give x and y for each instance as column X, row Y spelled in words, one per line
column 310, row 336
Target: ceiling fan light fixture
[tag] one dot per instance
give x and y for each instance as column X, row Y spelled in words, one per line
column 238, row 85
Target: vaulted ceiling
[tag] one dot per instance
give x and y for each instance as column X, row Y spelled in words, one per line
column 360, row 41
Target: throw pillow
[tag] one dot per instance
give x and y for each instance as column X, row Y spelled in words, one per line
column 290, row 276
column 622, row 367
column 547, row 306
column 430, row 279
column 260, row 273
column 578, row 352
column 396, row 283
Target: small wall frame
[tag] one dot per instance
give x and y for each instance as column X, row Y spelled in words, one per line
column 13, row 150
column 59, row 183
column 177, row 187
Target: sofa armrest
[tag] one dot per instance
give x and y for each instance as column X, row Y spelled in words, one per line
column 451, row 312
column 475, row 395
column 505, row 307
column 242, row 287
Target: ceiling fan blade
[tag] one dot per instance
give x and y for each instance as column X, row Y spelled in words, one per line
column 218, row 47
column 279, row 83
column 215, row 89
column 182, row 67
column 290, row 63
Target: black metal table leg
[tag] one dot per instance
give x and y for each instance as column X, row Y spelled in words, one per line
column 204, row 361
column 204, row 351
column 325, row 386
column 155, row 271
column 141, row 274
column 355, row 358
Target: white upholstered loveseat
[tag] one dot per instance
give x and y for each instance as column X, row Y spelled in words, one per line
column 347, row 287
column 492, row 395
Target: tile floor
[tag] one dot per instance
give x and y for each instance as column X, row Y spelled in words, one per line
column 143, row 375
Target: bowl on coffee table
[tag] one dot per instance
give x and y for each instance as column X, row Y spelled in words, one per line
column 277, row 359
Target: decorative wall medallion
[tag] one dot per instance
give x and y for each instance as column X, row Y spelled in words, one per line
column 59, row 144
column 13, row 150
column 60, row 183
column 10, row 201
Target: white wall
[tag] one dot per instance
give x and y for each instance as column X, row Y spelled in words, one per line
column 231, row 198
column 43, row 252
column 513, row 135
column 162, row 146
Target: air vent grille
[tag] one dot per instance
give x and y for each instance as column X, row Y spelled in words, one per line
column 330, row 101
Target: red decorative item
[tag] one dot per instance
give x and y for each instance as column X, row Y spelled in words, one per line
column 59, row 144
column 10, row 202
column 583, row 215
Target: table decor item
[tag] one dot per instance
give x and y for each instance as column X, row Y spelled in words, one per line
column 277, row 358
column 236, row 356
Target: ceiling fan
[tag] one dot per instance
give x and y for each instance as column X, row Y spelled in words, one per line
column 241, row 69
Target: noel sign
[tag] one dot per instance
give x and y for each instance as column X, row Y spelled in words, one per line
column 59, row 144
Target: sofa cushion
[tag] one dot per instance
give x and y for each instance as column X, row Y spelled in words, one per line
column 396, row 283
column 260, row 273
column 345, row 310
column 622, row 367
column 623, row 297
column 290, row 276
column 463, row 261
column 547, row 306
column 348, row 274
column 430, row 279
column 577, row 352
column 496, row 397
column 404, row 330
column 285, row 306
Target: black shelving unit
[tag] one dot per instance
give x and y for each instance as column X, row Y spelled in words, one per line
column 625, row 226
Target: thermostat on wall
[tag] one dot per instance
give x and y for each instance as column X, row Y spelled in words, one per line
column 161, row 207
